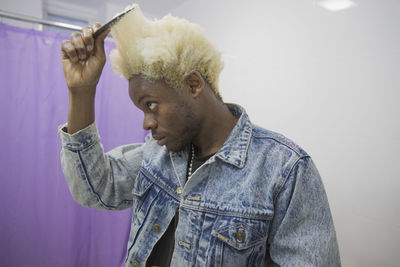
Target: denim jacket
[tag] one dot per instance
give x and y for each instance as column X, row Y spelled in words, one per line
column 259, row 201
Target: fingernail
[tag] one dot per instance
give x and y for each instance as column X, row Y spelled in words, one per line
column 89, row 47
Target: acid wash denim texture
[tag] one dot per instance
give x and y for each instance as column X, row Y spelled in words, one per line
column 259, row 201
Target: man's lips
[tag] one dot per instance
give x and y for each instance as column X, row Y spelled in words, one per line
column 161, row 140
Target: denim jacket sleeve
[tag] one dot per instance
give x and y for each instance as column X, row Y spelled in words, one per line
column 96, row 179
column 302, row 232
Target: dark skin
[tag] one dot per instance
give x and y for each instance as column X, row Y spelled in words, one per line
column 194, row 115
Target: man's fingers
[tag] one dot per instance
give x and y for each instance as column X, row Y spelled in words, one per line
column 87, row 36
column 99, row 42
column 79, row 44
column 82, row 45
column 96, row 26
column 68, row 51
column 102, row 35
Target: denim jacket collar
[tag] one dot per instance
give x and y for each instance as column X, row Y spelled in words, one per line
column 234, row 150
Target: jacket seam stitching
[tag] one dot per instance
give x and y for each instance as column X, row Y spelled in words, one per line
column 227, row 213
column 84, row 147
column 284, row 144
column 281, row 185
column 176, row 173
column 245, row 151
column 162, row 186
column 92, row 188
column 141, row 226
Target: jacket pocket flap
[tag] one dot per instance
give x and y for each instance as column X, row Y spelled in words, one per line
column 241, row 233
column 141, row 184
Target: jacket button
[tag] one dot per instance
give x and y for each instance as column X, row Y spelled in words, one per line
column 179, row 190
column 135, row 263
column 240, row 235
column 156, row 228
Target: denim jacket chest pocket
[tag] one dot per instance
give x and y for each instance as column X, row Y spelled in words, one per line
column 142, row 196
column 241, row 240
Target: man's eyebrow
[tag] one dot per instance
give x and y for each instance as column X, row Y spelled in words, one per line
column 142, row 97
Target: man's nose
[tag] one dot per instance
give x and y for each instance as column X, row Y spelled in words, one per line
column 149, row 123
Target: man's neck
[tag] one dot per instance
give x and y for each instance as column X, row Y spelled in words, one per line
column 216, row 128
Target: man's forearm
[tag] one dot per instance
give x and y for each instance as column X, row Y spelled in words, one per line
column 81, row 111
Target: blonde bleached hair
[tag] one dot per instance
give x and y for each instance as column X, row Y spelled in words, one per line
column 166, row 49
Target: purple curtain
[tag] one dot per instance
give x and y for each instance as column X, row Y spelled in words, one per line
column 40, row 224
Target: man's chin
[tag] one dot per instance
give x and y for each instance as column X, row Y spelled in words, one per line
column 174, row 147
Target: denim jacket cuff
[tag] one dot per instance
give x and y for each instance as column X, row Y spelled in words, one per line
column 79, row 140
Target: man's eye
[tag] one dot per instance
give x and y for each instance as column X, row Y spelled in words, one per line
column 151, row 105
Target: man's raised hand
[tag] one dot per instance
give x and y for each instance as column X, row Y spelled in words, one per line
column 83, row 60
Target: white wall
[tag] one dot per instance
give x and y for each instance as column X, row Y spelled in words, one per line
column 329, row 81
column 31, row 8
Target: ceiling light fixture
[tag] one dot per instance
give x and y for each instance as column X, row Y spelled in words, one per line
column 336, row 5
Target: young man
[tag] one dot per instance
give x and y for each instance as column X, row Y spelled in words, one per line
column 207, row 188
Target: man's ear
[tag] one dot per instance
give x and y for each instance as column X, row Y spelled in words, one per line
column 194, row 82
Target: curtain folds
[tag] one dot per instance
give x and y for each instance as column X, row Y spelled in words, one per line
column 40, row 224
